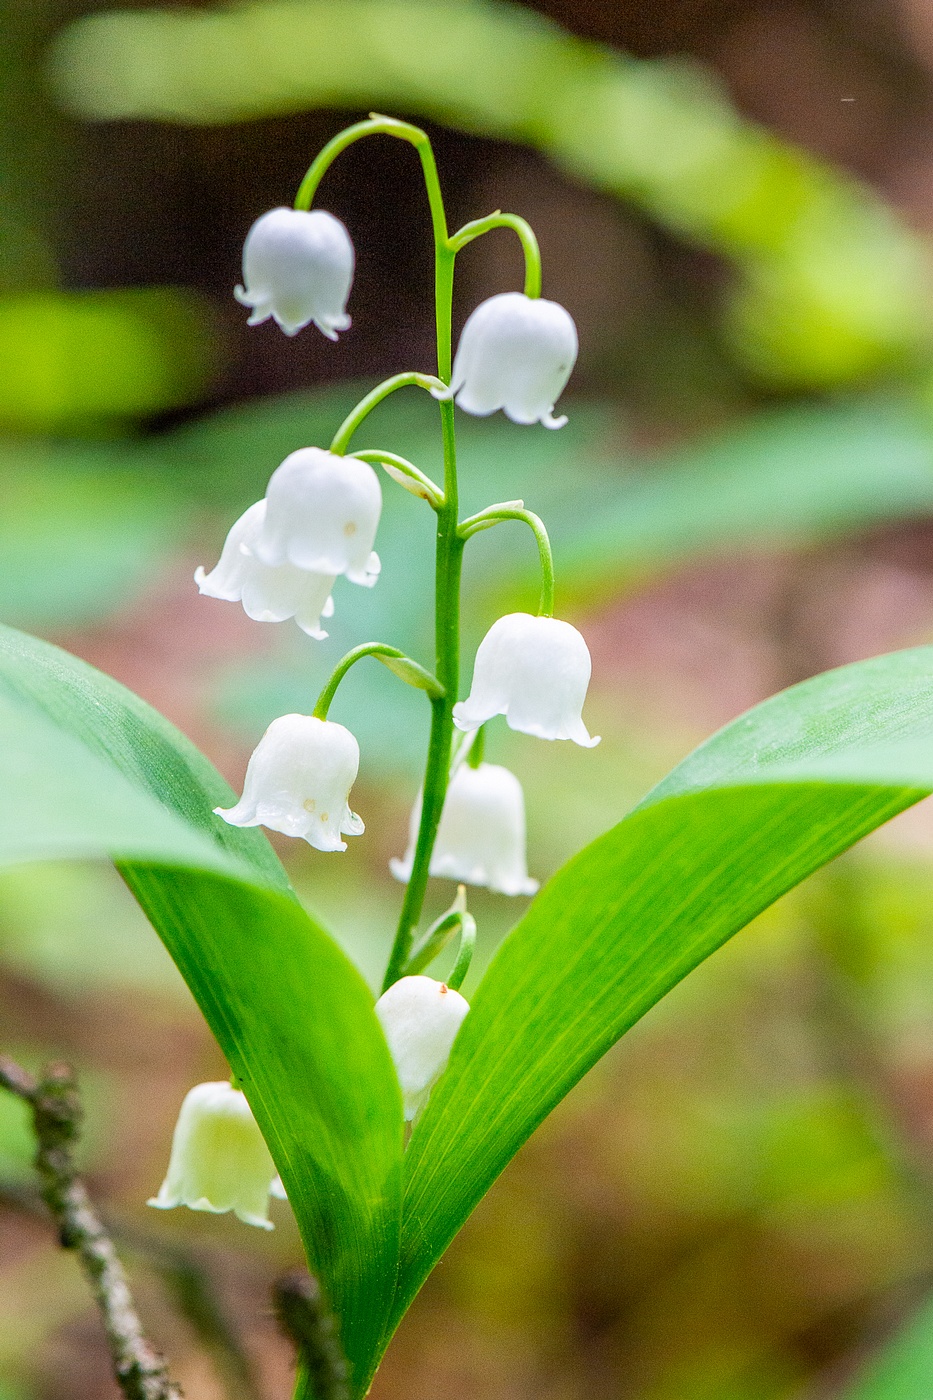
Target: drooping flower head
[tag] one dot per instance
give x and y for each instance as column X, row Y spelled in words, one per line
column 268, row 593
column 515, row 353
column 481, row 837
column 322, row 513
column 420, row 1019
column 219, row 1158
column 298, row 782
column 535, row 671
column 298, row 267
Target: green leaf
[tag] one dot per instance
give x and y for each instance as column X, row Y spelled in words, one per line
column 748, row 815
column 87, row 769
column 903, row 1368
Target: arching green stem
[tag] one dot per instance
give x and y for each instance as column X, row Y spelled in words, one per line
column 478, row 747
column 406, row 474
column 375, row 396
column 492, row 516
column 526, row 235
column 407, row 670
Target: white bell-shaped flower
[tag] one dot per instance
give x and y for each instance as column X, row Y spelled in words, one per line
column 298, row 782
column 322, row 513
column 219, row 1158
column 268, row 594
column 535, row 671
column 420, row 1018
column 481, row 837
column 298, row 267
column 515, row 353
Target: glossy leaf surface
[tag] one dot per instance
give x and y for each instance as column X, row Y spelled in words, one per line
column 88, row 769
column 748, row 815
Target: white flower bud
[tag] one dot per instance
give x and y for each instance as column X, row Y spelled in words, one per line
column 420, row 1018
column 515, row 353
column 268, row 594
column 219, row 1158
column 298, row 782
column 298, row 267
column 322, row 513
column 533, row 670
column 481, row 837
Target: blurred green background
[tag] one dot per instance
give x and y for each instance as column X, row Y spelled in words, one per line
column 735, row 200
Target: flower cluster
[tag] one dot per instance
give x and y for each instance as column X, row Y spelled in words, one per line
column 282, row 559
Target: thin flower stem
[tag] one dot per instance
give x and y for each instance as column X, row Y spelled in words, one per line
column 526, row 236
column 493, row 515
column 366, row 405
column 477, row 749
column 397, row 662
column 397, row 467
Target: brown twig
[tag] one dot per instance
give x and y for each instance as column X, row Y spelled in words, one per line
column 56, row 1116
column 305, row 1317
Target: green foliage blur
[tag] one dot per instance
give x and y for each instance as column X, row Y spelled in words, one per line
column 738, row 1203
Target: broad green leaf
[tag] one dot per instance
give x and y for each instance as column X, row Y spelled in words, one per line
column 87, row 769
column 903, row 1368
column 748, row 815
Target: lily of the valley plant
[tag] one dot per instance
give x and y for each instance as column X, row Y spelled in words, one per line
column 384, row 1120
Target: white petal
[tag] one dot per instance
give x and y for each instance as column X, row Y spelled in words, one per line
column 535, row 671
column 219, row 1159
column 322, row 513
column 420, row 1018
column 298, row 267
column 515, row 353
column 298, row 782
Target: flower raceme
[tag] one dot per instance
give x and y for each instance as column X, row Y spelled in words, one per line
column 298, row 782
column 322, row 513
column 535, row 671
column 515, row 353
column 219, row 1159
column 420, row 1019
column 268, row 593
column 298, row 267
column 481, row 838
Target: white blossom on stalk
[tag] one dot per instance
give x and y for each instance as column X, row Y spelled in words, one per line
column 219, row 1159
column 535, row 671
column 268, row 593
column 298, row 782
column 515, row 353
column 322, row 513
column 481, row 837
column 298, row 267
column 420, row 1019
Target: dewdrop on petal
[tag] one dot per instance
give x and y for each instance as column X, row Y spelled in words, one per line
column 298, row 267
column 481, row 838
column 420, row 1019
column 298, row 782
column 515, row 353
column 322, row 513
column 535, row 671
column 219, row 1158
column 268, row 594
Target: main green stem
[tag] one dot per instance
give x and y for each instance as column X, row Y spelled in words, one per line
column 446, row 597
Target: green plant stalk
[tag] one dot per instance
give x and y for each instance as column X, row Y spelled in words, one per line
column 493, row 515
column 526, row 236
column 364, row 408
column 409, row 671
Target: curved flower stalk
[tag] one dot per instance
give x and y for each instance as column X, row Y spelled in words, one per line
column 322, row 513
column 268, row 593
column 535, row 671
column 515, row 353
column 298, row 267
column 298, row 782
column 481, row 838
column 219, row 1160
column 420, row 1018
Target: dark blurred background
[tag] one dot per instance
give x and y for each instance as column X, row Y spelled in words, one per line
column 735, row 201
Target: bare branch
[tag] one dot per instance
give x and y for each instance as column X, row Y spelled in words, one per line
column 306, row 1318
column 56, row 1115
